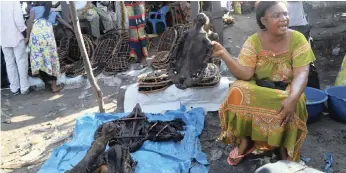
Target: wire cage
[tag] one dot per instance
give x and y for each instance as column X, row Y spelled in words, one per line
column 167, row 40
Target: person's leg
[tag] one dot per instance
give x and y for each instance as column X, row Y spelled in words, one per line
column 94, row 20
column 22, row 63
column 11, row 67
column 244, row 146
column 50, row 81
column 55, row 87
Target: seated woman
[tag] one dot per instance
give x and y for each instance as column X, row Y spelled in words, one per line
column 260, row 117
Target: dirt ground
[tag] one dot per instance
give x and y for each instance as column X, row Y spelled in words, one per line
column 42, row 121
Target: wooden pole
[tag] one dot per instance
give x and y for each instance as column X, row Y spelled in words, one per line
column 87, row 65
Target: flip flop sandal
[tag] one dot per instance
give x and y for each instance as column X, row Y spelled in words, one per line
column 234, row 155
column 60, row 87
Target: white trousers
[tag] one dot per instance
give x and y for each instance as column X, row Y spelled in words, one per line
column 16, row 59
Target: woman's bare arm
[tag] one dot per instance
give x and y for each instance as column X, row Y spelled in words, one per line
column 30, row 23
column 300, row 80
column 239, row 71
column 62, row 21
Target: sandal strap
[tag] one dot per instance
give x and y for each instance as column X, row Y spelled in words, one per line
column 234, row 153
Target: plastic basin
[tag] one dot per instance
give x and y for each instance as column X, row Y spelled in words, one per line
column 315, row 103
column 337, row 102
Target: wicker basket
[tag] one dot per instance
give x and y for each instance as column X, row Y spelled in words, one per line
column 207, row 84
column 75, row 69
column 117, row 64
column 181, row 28
column 119, row 61
column 115, row 34
column 153, row 77
column 167, row 40
column 104, row 50
column 62, row 54
column 98, row 69
column 154, row 81
column 161, row 60
column 211, row 77
column 74, row 53
column 147, row 90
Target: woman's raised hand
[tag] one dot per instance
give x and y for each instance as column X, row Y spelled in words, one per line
column 218, row 49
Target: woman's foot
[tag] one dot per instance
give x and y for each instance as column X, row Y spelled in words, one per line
column 237, row 154
column 56, row 88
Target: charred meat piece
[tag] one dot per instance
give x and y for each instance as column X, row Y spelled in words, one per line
column 125, row 136
column 192, row 52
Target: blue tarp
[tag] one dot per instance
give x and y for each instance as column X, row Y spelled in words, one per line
column 159, row 157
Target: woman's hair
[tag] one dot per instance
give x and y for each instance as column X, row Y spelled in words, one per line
column 47, row 7
column 261, row 9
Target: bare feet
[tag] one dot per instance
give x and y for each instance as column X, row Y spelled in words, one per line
column 55, row 88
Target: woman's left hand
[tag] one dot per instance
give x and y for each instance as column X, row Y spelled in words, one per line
column 288, row 109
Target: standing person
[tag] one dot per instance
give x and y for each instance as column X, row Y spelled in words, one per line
column 13, row 46
column 137, row 40
column 299, row 22
column 266, row 107
column 298, row 19
column 43, row 50
column 87, row 10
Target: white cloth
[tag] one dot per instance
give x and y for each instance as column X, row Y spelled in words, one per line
column 11, row 23
column 16, row 59
column 296, row 13
column 285, row 166
column 80, row 4
column 209, row 99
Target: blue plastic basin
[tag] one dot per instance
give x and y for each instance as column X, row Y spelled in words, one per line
column 315, row 103
column 337, row 102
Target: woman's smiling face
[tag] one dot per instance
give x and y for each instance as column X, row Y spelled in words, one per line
column 276, row 19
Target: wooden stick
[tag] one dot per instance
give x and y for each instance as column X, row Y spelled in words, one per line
column 87, row 66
